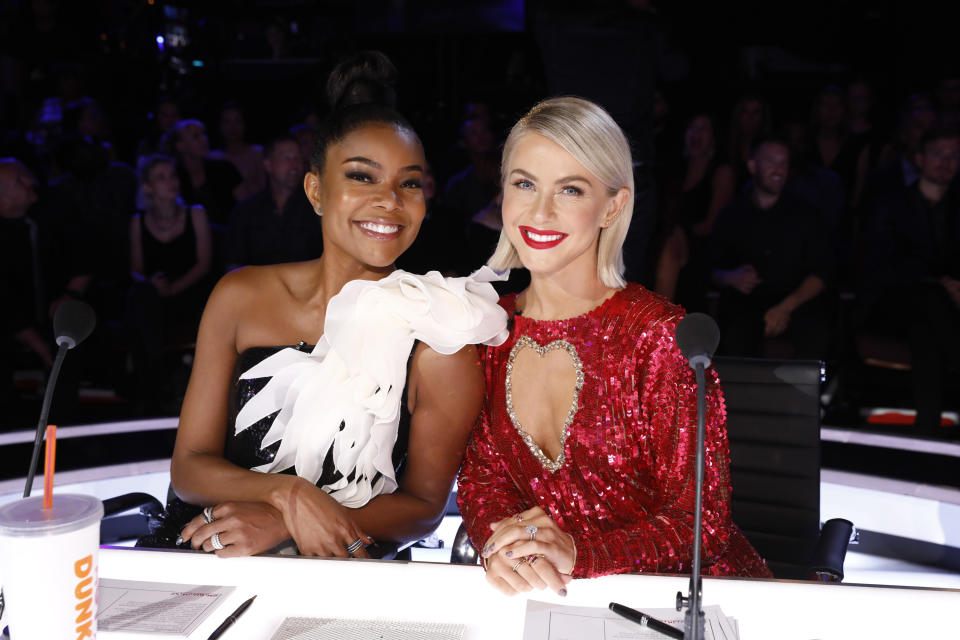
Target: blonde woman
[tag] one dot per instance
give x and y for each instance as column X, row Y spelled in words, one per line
column 583, row 461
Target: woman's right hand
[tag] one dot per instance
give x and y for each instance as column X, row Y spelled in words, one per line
column 320, row 525
column 245, row 529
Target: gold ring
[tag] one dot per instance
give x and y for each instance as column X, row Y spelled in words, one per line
column 519, row 562
column 532, row 559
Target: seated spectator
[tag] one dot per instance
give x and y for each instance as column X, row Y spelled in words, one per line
column 42, row 262
column 439, row 245
column 96, row 197
column 277, row 224
column 691, row 202
column 836, row 147
column 750, row 121
column 170, row 255
column 821, row 188
column 84, row 118
column 20, row 279
column 896, row 164
column 911, row 276
column 471, row 195
column 773, row 261
column 165, row 115
column 245, row 157
column 204, row 181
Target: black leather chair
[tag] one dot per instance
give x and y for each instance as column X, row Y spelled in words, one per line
column 773, row 424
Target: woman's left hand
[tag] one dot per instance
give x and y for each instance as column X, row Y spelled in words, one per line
column 244, row 529
column 531, row 533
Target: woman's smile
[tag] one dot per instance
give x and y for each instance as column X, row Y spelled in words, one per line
column 539, row 239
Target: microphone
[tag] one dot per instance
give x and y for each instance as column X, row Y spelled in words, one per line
column 698, row 337
column 73, row 322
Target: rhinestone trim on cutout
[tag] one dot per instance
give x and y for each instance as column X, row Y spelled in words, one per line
column 526, row 341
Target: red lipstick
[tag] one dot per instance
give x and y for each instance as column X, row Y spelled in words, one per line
column 538, row 239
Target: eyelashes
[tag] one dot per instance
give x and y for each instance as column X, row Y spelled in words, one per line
column 568, row 190
column 360, row 176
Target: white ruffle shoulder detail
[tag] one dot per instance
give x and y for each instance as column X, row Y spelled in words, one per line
column 345, row 395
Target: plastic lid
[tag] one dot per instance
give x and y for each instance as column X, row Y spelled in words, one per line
column 70, row 512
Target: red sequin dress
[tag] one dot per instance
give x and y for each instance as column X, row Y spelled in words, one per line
column 625, row 489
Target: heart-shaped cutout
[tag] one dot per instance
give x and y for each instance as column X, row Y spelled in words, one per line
column 543, row 394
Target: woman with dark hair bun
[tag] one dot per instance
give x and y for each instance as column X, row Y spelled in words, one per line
column 354, row 434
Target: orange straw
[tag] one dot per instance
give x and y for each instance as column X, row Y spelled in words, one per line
column 49, row 462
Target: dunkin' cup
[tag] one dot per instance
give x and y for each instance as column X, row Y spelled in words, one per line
column 48, row 567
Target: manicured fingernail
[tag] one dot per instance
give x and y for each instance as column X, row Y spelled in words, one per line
column 509, row 554
column 179, row 540
column 563, row 592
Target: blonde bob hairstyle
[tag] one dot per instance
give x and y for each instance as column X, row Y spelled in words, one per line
column 588, row 133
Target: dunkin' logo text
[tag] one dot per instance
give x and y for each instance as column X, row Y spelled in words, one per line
column 83, row 592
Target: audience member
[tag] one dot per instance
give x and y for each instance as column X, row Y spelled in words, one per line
column 21, row 278
column 245, row 157
column 749, row 121
column 836, row 147
column 277, row 224
column 440, row 244
column 691, row 203
column 911, row 276
column 821, row 188
column 204, row 181
column 170, row 256
column 897, row 160
column 96, row 196
column 772, row 260
column 165, row 115
column 471, row 194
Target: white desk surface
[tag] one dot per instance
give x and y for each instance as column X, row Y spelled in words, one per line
column 294, row 586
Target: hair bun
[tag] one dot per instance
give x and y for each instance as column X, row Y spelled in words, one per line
column 367, row 77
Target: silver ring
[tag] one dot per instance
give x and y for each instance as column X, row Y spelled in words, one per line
column 215, row 541
column 208, row 515
column 532, row 530
column 354, row 546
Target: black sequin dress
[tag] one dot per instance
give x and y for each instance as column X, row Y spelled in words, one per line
column 243, row 449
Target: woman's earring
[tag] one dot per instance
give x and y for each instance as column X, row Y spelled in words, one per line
column 319, row 210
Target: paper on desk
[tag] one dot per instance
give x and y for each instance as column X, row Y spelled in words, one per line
column 345, row 629
column 156, row 608
column 545, row 621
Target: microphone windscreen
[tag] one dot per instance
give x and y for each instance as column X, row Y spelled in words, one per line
column 697, row 334
column 73, row 322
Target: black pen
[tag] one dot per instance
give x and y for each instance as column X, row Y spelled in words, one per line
column 644, row 620
column 231, row 619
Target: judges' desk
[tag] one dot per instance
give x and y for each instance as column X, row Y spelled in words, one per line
column 293, row 586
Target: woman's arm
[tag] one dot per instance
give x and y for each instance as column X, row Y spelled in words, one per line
column 485, row 493
column 201, row 230
column 445, row 394
column 201, row 475
column 136, row 250
column 721, row 194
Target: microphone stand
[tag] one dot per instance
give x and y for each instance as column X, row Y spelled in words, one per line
column 64, row 346
column 694, row 620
